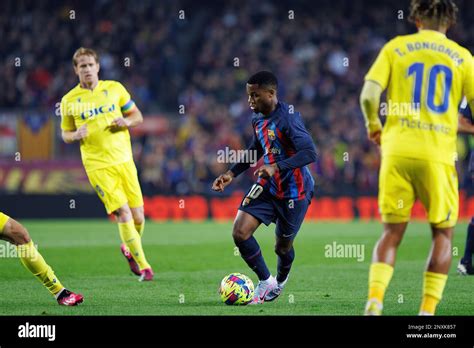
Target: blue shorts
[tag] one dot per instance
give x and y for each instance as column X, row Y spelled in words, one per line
column 288, row 215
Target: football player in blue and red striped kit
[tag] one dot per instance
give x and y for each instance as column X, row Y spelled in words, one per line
column 284, row 187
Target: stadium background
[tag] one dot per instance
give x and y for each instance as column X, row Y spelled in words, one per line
column 167, row 62
column 172, row 64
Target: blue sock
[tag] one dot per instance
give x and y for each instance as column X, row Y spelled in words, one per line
column 284, row 264
column 252, row 255
column 469, row 243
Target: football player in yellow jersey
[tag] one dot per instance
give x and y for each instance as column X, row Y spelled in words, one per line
column 425, row 75
column 98, row 114
column 13, row 232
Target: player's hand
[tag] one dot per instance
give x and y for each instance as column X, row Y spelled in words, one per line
column 221, row 182
column 120, row 122
column 81, row 132
column 266, row 171
column 375, row 137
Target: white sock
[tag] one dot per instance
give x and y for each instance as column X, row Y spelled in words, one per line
column 59, row 293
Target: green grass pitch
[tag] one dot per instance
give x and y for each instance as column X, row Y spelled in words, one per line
column 190, row 259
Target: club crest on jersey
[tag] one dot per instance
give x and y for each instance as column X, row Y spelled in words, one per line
column 106, row 93
column 271, row 134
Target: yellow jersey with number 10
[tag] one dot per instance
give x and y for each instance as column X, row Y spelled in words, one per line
column 426, row 76
column 103, row 146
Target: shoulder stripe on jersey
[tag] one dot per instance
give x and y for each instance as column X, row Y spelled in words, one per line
column 271, row 158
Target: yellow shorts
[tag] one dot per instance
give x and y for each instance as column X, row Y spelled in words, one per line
column 402, row 180
column 3, row 221
column 117, row 185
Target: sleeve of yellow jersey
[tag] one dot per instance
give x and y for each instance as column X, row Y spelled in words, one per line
column 380, row 71
column 67, row 120
column 126, row 104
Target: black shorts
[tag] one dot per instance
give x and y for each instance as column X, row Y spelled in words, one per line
column 287, row 214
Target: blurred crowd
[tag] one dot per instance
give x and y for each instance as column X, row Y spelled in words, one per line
column 199, row 55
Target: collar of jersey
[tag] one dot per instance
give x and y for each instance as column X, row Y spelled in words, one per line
column 432, row 32
column 277, row 108
column 87, row 89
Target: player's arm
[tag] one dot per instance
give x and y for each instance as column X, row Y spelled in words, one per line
column 72, row 136
column 465, row 125
column 467, row 105
column 69, row 133
column 376, row 81
column 132, row 116
column 370, row 103
column 304, row 147
column 236, row 169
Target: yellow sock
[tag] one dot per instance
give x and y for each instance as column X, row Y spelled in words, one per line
column 380, row 275
column 433, row 287
column 34, row 262
column 140, row 228
column 132, row 240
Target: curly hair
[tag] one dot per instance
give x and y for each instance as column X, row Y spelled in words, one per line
column 440, row 12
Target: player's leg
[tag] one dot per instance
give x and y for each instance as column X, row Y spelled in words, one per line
column 286, row 255
column 133, row 192
column 291, row 214
column 383, row 262
column 437, row 269
column 396, row 198
column 131, row 188
column 465, row 264
column 110, row 185
column 242, row 233
column 138, row 214
column 438, row 191
column 139, row 221
column 256, row 207
column 131, row 238
column 13, row 232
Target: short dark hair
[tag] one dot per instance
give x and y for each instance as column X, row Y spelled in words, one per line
column 264, row 79
column 441, row 11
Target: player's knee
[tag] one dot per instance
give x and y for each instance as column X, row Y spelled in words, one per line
column 392, row 238
column 138, row 216
column 239, row 233
column 283, row 250
column 19, row 235
column 123, row 214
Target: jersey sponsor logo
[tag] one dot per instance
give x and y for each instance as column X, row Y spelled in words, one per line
column 405, row 122
column 97, row 111
column 272, row 150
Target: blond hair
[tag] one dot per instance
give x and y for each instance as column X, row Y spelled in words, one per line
column 82, row 51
